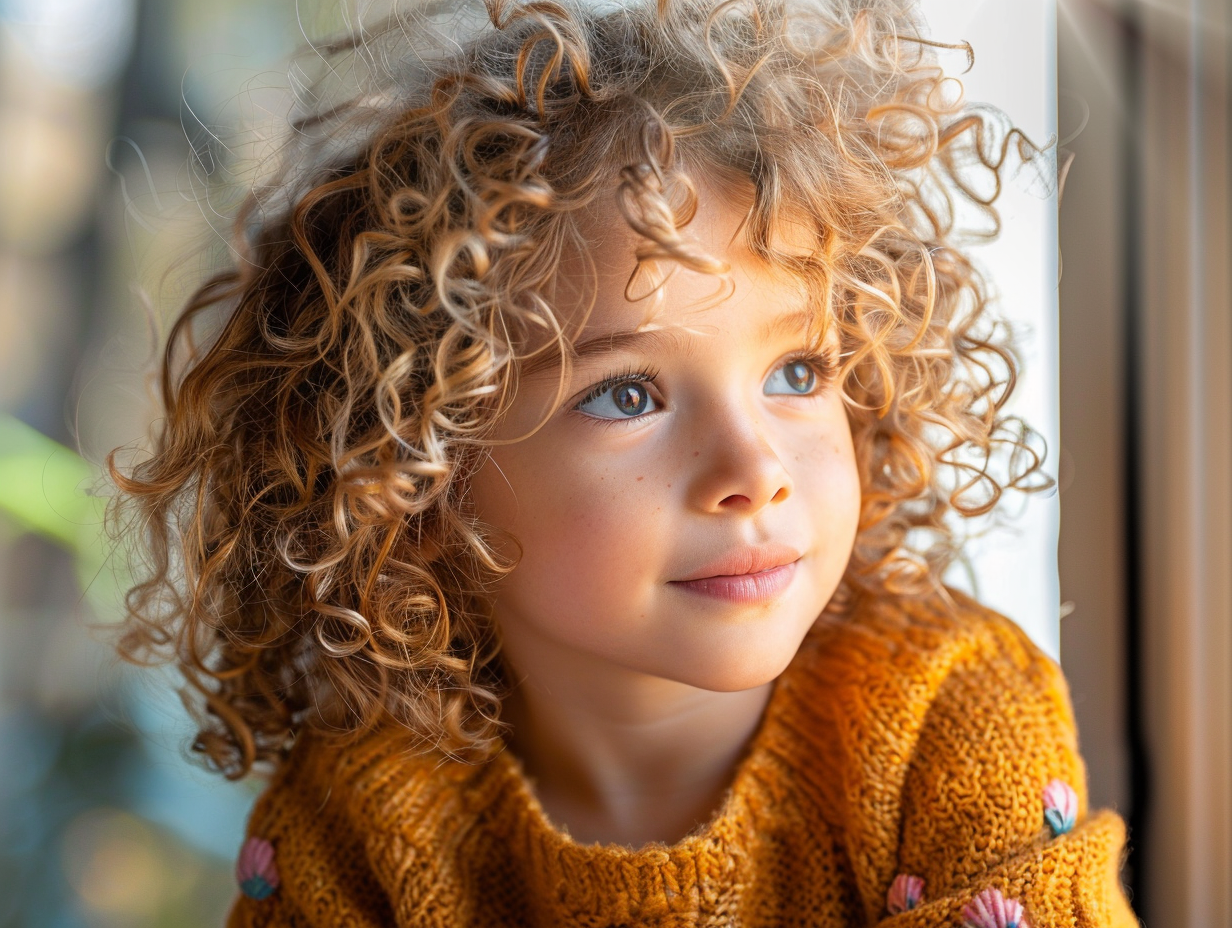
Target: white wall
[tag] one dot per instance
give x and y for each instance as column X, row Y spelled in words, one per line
column 1014, row 566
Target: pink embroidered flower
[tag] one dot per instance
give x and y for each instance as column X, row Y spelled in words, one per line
column 990, row 909
column 905, row 893
column 1060, row 806
column 255, row 870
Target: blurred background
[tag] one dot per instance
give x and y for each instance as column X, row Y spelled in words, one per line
column 111, row 170
column 117, row 159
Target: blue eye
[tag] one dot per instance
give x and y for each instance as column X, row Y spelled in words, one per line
column 803, row 375
column 797, row 376
column 627, row 395
column 619, row 398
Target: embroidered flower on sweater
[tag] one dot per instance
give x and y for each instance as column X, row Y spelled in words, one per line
column 255, row 870
column 905, row 893
column 1060, row 807
column 990, row 909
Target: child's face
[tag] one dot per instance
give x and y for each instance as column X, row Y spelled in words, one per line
column 731, row 447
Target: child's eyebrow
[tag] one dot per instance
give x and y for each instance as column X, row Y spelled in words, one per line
column 663, row 339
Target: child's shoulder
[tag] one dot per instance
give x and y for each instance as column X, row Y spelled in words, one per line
column 932, row 690
column 942, row 733
column 342, row 813
column 933, row 637
column 332, row 773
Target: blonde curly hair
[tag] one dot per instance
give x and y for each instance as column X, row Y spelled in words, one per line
column 306, row 555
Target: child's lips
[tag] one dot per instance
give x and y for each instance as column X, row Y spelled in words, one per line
column 743, row 588
column 747, row 560
column 745, row 575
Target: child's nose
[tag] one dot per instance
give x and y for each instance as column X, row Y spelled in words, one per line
column 736, row 466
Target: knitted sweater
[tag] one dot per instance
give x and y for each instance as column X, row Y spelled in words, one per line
column 916, row 766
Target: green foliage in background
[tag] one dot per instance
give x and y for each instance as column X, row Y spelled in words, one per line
column 51, row 490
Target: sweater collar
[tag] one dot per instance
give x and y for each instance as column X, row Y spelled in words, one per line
column 481, row 820
column 487, row 820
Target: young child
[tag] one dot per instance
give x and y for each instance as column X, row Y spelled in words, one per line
column 559, row 510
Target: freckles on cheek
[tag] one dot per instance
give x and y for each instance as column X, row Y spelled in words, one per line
column 598, row 526
column 597, row 538
column 572, row 560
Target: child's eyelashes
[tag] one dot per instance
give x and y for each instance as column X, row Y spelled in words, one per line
column 627, row 395
column 805, row 373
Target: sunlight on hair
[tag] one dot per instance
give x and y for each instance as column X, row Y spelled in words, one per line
column 306, row 552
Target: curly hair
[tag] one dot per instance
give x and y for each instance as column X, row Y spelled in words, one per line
column 306, row 555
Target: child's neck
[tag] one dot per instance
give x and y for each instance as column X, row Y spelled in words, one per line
column 625, row 758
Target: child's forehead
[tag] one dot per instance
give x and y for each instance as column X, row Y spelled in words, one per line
column 723, row 210
column 613, row 287
column 662, row 306
column 612, row 259
column 686, row 314
column 664, row 296
column 632, row 330
column 770, row 324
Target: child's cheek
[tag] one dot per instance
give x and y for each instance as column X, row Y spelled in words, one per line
column 599, row 531
column 591, row 533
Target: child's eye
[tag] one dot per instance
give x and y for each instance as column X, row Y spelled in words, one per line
column 624, row 396
column 804, row 374
column 627, row 395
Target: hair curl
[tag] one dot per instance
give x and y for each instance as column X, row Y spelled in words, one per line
column 307, row 557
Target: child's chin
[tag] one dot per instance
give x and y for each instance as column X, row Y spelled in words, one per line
column 737, row 669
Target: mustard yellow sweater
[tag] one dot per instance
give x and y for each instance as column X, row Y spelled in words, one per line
column 917, row 766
